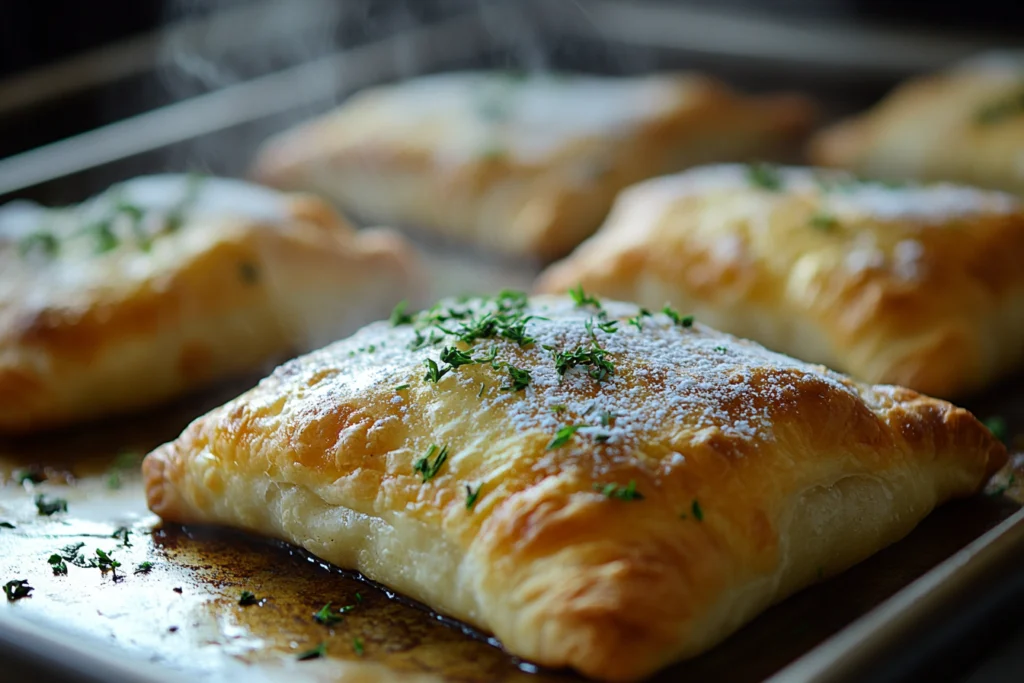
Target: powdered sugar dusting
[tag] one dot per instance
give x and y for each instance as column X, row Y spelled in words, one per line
column 702, row 381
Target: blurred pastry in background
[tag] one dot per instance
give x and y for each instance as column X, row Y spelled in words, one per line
column 961, row 125
column 912, row 285
column 521, row 164
column 166, row 283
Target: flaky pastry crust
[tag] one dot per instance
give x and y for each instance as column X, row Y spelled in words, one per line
column 526, row 165
column 705, row 479
column 912, row 285
column 167, row 283
column 962, row 125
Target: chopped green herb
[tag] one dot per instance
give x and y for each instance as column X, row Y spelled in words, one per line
column 721, row 349
column 428, row 468
column 627, row 492
column 698, row 512
column 357, row 645
column 49, row 506
column 359, row 597
column 104, row 235
column 602, row 437
column 472, row 495
column 997, row 425
column 105, row 562
column 144, row 567
column 70, row 553
column 595, row 357
column 824, row 221
column 520, row 379
column 765, row 176
column 558, row 408
column 328, row 618
column 581, row 298
column 434, row 374
column 562, row 436
column 607, row 418
column 247, row 598
column 637, row 320
column 17, row 589
column 41, row 241
column 316, row 653
column 57, row 565
column 482, row 388
column 610, row 327
column 122, row 534
column 7, row 525
column 402, row 387
column 398, row 314
column 681, row 320
column 455, row 358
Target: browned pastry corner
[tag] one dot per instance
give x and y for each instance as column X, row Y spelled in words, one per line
column 965, row 125
column 166, row 283
column 919, row 286
column 521, row 164
column 601, row 488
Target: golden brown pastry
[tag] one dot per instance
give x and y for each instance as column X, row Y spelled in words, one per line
column 600, row 488
column 166, row 283
column 919, row 286
column 526, row 165
column 963, row 125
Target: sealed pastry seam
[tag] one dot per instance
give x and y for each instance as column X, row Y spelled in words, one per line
column 704, row 479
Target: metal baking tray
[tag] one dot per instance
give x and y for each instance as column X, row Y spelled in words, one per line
column 890, row 618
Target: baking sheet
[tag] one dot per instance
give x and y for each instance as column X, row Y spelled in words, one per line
column 182, row 619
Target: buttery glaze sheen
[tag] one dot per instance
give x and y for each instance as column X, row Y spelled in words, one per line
column 707, row 477
column 167, row 283
column 526, row 164
column 915, row 285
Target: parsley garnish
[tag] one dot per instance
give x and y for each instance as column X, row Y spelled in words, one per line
column 47, row 507
column 122, row 534
column 472, row 495
column 32, row 474
column 455, row 358
column 316, row 653
column 627, row 492
column 600, row 366
column 558, row 408
column 104, row 236
column 357, row 645
column 607, row 418
column 997, row 425
column 105, row 562
column 57, row 565
column 247, row 598
column 401, row 387
column 824, row 221
column 434, row 374
column 6, row 525
column 17, row 589
column 765, row 176
column 581, row 298
column 359, row 598
column 428, row 468
column 637, row 319
column 698, row 512
column 520, row 379
column 681, row 320
column 144, row 567
column 398, row 314
column 563, row 435
column 482, row 388
column 721, row 349
column 327, row 618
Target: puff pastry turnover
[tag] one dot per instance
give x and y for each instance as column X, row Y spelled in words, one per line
column 600, row 488
column 963, row 125
column 165, row 283
column 526, row 165
column 919, row 286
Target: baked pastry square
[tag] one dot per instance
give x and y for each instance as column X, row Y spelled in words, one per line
column 599, row 487
column 912, row 285
column 521, row 164
column 166, row 283
column 964, row 125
